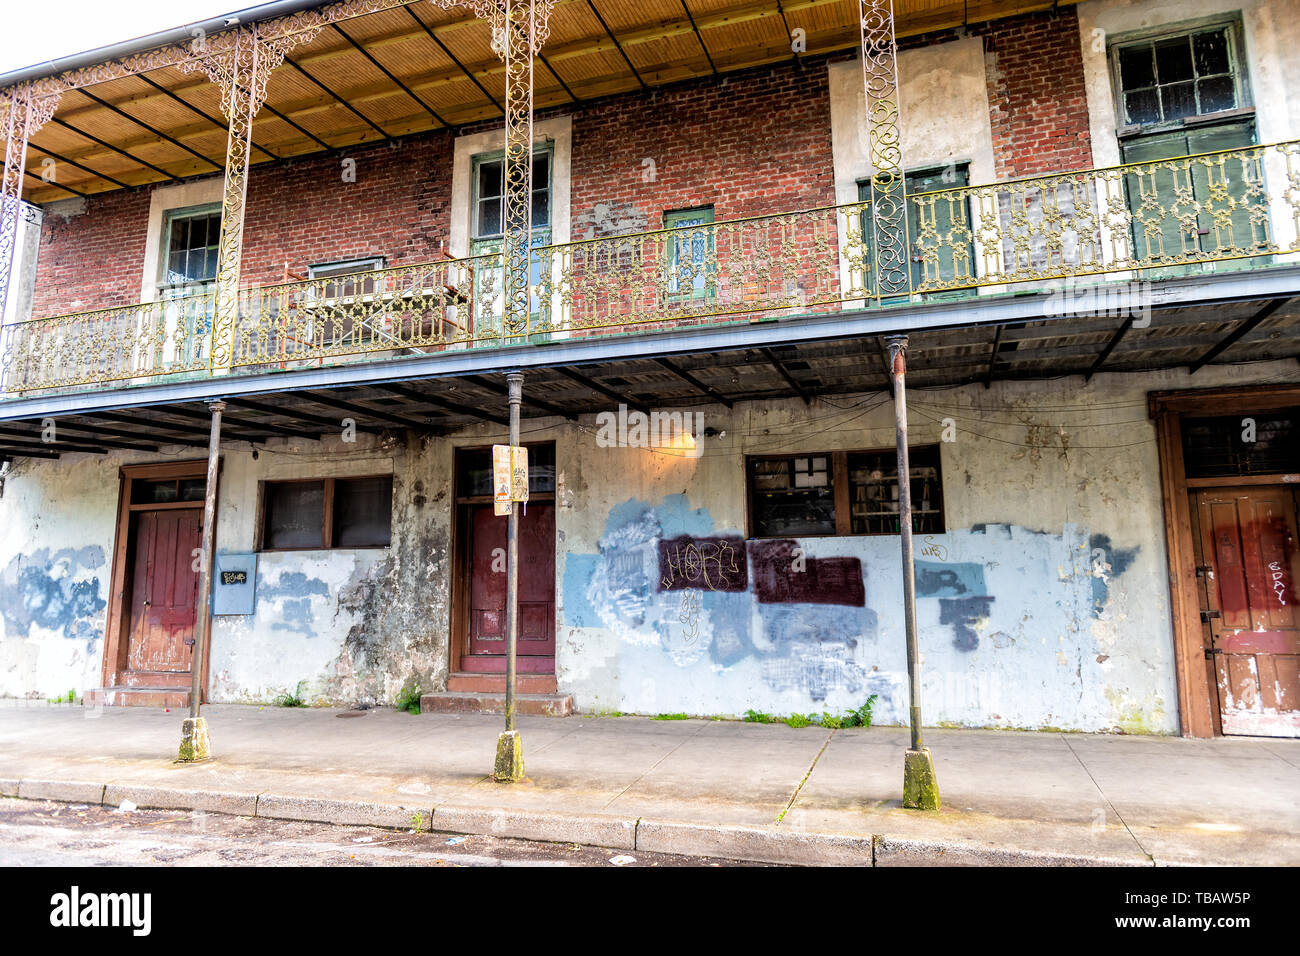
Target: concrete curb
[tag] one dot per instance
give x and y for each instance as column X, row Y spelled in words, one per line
column 763, row 844
column 889, row 851
column 170, row 798
column 348, row 812
column 69, row 791
column 619, row 833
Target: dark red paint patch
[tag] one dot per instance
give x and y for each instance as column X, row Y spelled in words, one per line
column 783, row 577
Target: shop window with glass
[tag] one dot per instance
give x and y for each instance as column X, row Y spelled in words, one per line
column 1184, row 95
column 327, row 513
column 841, row 493
column 946, row 222
column 691, row 257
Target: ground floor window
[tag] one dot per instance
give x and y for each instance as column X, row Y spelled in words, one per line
column 327, row 513
column 841, row 493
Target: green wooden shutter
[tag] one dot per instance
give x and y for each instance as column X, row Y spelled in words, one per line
column 1221, row 210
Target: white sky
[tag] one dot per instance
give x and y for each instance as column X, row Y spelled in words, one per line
column 39, row 30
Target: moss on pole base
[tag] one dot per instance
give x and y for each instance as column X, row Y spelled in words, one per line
column 510, row 758
column 920, row 786
column 195, row 744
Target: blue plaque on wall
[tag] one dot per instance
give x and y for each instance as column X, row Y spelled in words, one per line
column 234, row 583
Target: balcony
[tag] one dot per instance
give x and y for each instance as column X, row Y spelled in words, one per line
column 1144, row 221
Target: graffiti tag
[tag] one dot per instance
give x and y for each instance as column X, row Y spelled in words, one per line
column 713, row 564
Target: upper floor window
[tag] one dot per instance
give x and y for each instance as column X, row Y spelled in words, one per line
column 690, row 251
column 489, row 194
column 938, row 227
column 1164, row 80
column 191, row 244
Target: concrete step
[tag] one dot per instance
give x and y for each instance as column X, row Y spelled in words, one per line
column 474, row 702
column 138, row 697
column 496, row 683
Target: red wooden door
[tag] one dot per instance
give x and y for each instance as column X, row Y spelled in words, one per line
column 164, row 594
column 535, row 651
column 1248, row 539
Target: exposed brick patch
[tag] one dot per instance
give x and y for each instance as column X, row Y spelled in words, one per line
column 754, row 143
column 1037, row 103
column 92, row 253
column 1038, row 108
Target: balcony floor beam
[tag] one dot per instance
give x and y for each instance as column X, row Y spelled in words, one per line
column 695, row 383
column 1232, row 337
column 609, row 393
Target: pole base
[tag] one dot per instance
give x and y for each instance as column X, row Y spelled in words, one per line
column 920, row 786
column 195, row 744
column 510, row 758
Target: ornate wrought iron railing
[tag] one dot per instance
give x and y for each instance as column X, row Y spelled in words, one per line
column 1150, row 219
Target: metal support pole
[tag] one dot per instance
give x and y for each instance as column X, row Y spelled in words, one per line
column 515, row 380
column 920, row 790
column 509, row 766
column 194, row 735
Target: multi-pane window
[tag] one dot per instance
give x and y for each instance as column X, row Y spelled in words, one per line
column 1264, row 443
column 1183, row 95
column 841, row 493
column 488, row 224
column 191, row 244
column 489, row 195
column 327, row 513
column 1166, row 79
column 690, row 251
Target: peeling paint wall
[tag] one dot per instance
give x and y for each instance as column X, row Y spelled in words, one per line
column 355, row 625
column 1044, row 604
column 57, row 520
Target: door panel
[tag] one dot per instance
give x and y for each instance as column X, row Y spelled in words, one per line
column 164, row 592
column 487, row 587
column 1248, row 538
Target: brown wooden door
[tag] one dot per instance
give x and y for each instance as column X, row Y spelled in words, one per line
column 164, row 596
column 535, row 652
column 1249, row 567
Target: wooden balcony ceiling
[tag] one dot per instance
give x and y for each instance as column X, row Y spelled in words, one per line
column 417, row 67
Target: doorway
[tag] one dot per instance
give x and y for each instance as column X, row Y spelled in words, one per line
column 1230, row 476
column 1247, row 565
column 479, row 616
column 149, row 644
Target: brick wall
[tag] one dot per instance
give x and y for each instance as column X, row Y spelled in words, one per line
column 755, row 143
column 304, row 212
column 1037, row 104
column 749, row 143
column 91, row 253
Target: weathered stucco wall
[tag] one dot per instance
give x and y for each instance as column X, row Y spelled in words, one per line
column 1045, row 603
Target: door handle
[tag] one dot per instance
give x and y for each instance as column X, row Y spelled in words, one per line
column 1208, row 616
column 188, row 641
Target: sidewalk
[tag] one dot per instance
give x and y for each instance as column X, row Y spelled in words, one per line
column 748, row 791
